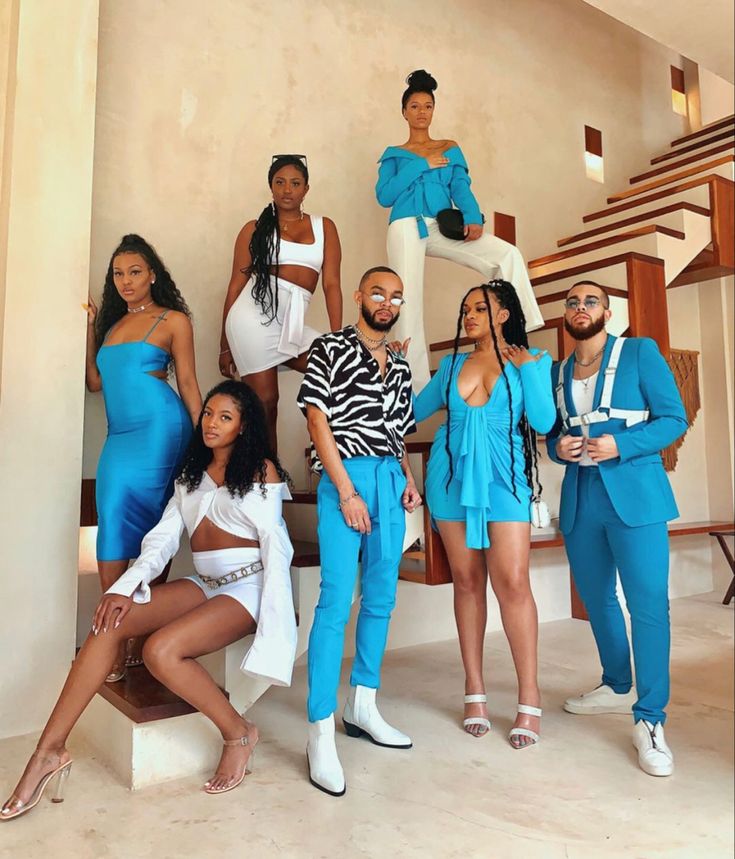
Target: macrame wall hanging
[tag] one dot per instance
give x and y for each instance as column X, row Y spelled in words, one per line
column 684, row 364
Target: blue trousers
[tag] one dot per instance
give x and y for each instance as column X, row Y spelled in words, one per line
column 598, row 545
column 380, row 482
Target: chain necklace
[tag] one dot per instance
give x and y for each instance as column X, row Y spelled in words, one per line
column 141, row 308
column 592, row 359
column 381, row 341
column 284, row 224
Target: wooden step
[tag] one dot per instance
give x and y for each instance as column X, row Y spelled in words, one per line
column 634, row 219
column 142, row 698
column 606, row 262
column 305, row 554
column 700, row 144
column 705, row 129
column 690, row 159
column 302, row 496
column 658, row 195
column 649, row 229
column 674, row 177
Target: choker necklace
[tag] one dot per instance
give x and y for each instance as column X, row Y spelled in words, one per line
column 381, row 341
column 140, row 309
column 592, row 359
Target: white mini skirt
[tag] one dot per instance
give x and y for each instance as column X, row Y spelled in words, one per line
column 247, row 591
column 258, row 344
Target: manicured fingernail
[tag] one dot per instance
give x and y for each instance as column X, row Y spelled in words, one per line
column 117, row 623
column 104, row 629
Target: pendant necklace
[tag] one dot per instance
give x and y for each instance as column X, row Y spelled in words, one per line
column 141, row 308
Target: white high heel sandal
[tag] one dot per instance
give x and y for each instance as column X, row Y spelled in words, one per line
column 476, row 720
column 527, row 710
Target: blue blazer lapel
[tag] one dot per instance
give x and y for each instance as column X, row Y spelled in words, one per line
column 603, row 366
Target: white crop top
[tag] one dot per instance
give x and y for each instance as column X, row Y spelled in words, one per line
column 307, row 255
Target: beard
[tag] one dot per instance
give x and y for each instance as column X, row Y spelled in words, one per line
column 376, row 324
column 588, row 331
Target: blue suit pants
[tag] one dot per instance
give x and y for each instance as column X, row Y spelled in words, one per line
column 598, row 545
column 380, row 482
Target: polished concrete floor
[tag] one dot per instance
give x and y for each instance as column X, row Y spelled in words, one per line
column 578, row 795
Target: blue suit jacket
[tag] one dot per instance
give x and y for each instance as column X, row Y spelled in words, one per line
column 635, row 481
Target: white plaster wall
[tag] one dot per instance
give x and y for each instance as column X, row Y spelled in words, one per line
column 47, row 186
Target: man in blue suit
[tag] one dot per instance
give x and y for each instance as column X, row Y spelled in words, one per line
column 618, row 406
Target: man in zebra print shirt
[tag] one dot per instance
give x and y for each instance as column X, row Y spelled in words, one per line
column 356, row 395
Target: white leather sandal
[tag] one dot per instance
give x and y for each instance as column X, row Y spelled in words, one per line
column 476, row 720
column 527, row 710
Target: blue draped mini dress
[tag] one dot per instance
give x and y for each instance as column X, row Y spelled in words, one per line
column 480, row 440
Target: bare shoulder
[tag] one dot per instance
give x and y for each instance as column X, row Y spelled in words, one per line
column 329, row 225
column 246, row 232
column 178, row 321
column 271, row 473
column 449, row 144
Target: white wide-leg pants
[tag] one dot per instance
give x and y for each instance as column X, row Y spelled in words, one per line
column 490, row 256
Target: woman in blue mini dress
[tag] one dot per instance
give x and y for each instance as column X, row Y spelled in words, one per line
column 482, row 466
column 143, row 325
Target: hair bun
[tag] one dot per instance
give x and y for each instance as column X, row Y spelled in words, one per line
column 131, row 239
column 421, row 81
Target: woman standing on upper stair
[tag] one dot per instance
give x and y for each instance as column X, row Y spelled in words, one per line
column 275, row 270
column 418, row 180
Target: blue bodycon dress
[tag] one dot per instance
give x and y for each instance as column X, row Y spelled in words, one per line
column 481, row 489
column 148, row 430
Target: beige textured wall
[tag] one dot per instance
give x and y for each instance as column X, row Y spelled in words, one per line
column 192, row 106
column 47, row 178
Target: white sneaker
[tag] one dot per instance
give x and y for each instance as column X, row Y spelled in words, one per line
column 601, row 700
column 361, row 716
column 654, row 756
column 325, row 770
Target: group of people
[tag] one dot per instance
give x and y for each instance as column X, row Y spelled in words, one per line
column 174, row 462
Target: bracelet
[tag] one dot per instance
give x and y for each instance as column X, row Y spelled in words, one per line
column 342, row 501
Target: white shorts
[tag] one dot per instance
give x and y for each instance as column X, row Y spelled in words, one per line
column 247, row 591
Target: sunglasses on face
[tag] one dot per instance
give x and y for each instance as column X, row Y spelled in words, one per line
column 301, row 158
column 590, row 302
column 377, row 298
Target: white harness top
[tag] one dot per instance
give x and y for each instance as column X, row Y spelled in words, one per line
column 604, row 410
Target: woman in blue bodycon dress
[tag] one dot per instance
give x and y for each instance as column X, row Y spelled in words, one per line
column 482, row 466
column 142, row 326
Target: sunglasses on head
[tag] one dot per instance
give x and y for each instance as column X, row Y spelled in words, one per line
column 301, row 158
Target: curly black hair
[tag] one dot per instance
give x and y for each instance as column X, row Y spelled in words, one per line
column 514, row 332
column 419, row 81
column 265, row 244
column 250, row 452
column 164, row 291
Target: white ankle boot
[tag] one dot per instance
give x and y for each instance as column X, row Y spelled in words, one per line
column 361, row 716
column 325, row 770
column 654, row 755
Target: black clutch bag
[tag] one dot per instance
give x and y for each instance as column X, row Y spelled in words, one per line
column 451, row 224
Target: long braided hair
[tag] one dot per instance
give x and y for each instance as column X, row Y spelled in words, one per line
column 265, row 244
column 164, row 291
column 514, row 332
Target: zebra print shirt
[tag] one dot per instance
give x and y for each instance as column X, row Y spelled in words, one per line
column 368, row 415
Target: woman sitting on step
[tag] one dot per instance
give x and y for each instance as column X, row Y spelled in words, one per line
column 482, row 466
column 228, row 496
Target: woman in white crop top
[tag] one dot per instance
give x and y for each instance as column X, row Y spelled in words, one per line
column 275, row 270
column 228, row 496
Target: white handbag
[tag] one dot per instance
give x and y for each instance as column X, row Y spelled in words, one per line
column 540, row 516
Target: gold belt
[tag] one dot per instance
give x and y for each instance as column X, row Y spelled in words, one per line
column 214, row 582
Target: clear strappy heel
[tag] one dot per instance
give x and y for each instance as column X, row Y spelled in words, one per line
column 242, row 741
column 14, row 807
